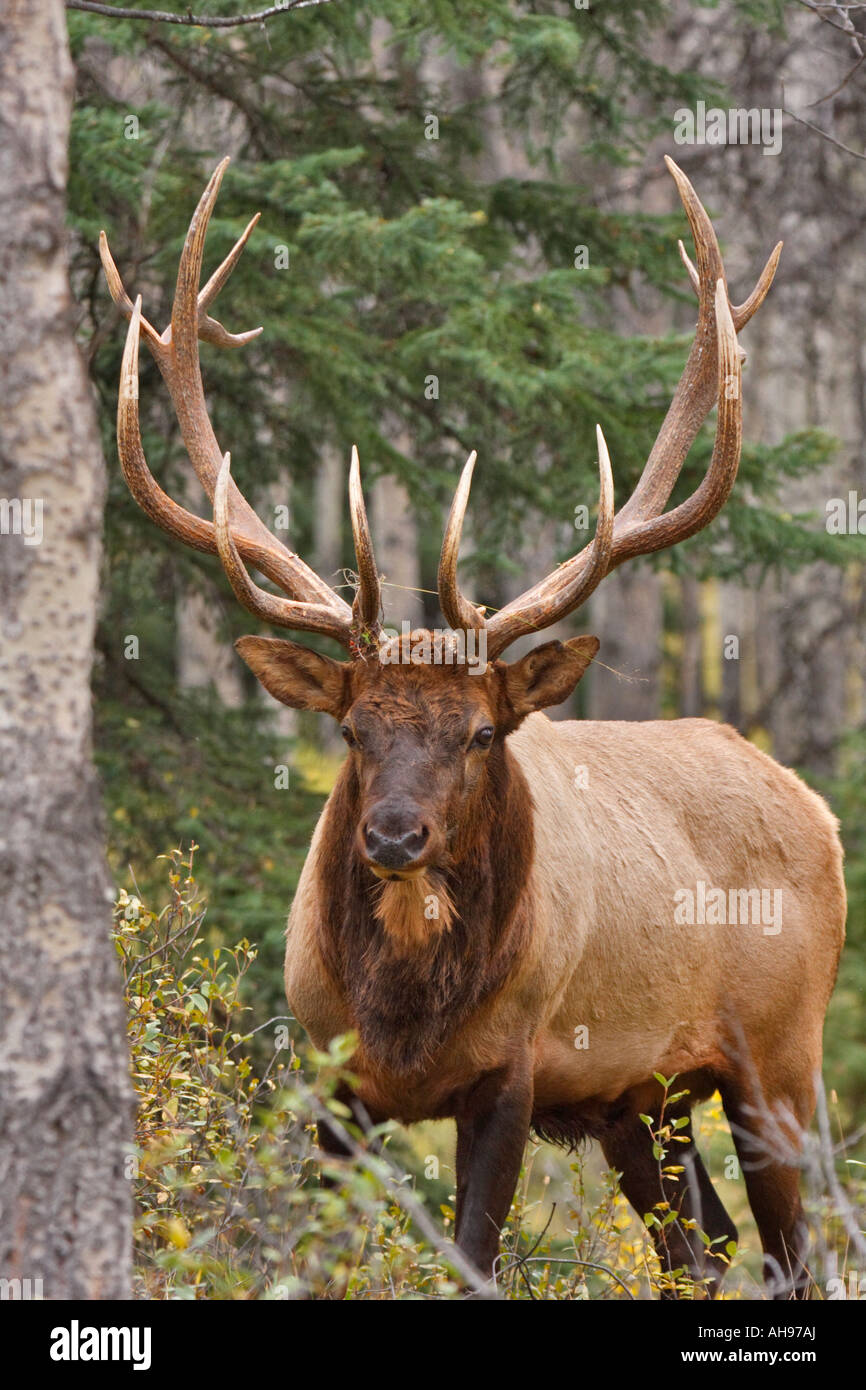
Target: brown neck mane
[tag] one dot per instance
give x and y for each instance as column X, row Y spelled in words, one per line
column 409, row 991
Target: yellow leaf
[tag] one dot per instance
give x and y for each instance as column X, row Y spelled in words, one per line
column 177, row 1233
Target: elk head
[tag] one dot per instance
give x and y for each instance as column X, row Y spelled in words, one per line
column 426, row 737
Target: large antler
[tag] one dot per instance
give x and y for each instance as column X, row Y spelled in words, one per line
column 712, row 372
column 237, row 533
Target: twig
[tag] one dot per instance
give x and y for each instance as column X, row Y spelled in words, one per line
column 193, row 926
column 555, row 1260
column 846, row 27
column 844, row 83
column 826, row 1151
column 189, row 19
column 277, row 1018
column 379, row 1168
column 818, row 131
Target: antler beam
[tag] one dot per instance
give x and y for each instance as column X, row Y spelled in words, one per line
column 711, row 373
column 239, row 534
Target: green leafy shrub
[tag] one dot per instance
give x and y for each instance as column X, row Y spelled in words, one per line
column 229, row 1204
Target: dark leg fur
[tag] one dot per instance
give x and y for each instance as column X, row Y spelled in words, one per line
column 628, row 1149
column 773, row 1187
column 492, row 1129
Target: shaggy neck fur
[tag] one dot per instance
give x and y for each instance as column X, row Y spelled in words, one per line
column 410, row 978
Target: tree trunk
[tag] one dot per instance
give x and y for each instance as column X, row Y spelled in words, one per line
column 395, row 527
column 204, row 655
column 65, row 1113
column 627, row 616
column 691, row 703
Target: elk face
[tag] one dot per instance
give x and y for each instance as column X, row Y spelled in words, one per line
column 419, row 739
column 421, row 736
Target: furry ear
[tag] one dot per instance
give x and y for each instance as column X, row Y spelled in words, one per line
column 547, row 675
column 297, row 676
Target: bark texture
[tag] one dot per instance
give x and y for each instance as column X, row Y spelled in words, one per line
column 65, row 1096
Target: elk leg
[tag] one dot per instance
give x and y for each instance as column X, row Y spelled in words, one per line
column 628, row 1149
column 492, row 1129
column 763, row 1144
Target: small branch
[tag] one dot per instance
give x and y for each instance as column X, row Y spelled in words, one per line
column 192, row 925
column 845, row 27
column 843, row 83
column 191, row 20
column 556, row 1260
column 818, row 131
column 378, row 1167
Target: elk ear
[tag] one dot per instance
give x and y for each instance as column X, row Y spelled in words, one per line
column 297, row 676
column 548, row 675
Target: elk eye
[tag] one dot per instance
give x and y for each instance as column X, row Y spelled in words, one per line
column 348, row 735
column 484, row 737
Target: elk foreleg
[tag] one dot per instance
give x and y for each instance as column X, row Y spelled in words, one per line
column 492, row 1129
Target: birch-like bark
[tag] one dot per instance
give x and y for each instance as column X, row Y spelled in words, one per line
column 65, row 1112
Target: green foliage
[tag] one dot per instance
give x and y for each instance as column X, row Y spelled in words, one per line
column 845, row 1047
column 228, row 1201
column 193, row 769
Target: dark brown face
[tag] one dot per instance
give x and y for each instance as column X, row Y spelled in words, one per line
column 419, row 739
column 420, row 736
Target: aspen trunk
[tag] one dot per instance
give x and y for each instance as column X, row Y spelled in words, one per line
column 65, row 1113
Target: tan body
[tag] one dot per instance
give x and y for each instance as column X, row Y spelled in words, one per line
column 665, row 806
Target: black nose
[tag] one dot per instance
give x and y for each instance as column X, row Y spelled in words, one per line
column 395, row 851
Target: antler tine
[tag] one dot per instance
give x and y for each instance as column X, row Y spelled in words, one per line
column 599, row 559
column 695, row 391
column 176, row 355
column 708, row 499
column 368, row 599
column 190, row 304
column 211, row 330
column 185, row 526
column 690, row 267
column 458, row 611
column 706, row 246
column 741, row 313
column 121, row 298
column 178, row 522
column 642, row 524
column 187, row 392
column 272, row 608
column 550, row 602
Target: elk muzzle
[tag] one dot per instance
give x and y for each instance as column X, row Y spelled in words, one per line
column 395, row 840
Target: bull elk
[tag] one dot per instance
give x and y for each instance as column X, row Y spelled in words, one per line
column 514, row 946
